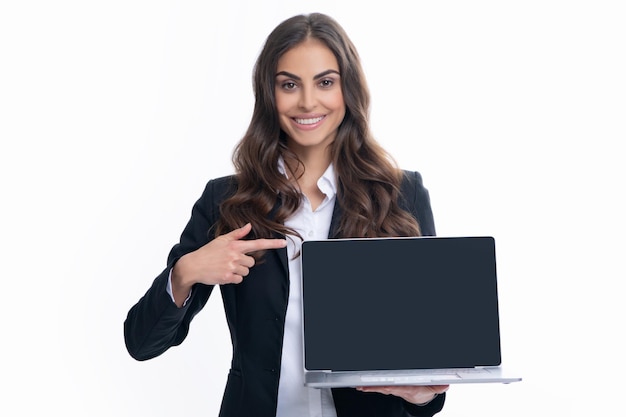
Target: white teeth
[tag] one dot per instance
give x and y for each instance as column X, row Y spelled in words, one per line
column 308, row 121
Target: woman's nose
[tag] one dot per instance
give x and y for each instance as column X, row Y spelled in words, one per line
column 307, row 98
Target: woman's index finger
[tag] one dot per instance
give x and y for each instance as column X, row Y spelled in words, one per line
column 262, row 244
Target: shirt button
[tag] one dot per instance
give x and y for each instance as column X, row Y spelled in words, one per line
column 311, row 233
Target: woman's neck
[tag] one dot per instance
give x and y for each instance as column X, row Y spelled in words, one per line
column 307, row 173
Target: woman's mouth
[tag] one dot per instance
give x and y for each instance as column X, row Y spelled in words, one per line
column 309, row 121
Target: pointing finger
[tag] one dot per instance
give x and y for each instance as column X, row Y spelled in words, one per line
column 248, row 246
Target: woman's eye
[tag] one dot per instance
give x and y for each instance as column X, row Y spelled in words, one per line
column 326, row 83
column 289, row 85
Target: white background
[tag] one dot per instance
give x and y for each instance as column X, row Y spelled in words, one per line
column 114, row 114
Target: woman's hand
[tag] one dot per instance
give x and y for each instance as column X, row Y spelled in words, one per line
column 224, row 260
column 415, row 394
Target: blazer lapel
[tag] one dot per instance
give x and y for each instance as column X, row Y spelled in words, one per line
column 333, row 232
column 281, row 253
column 282, row 256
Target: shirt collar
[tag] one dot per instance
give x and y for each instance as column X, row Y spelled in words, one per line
column 327, row 182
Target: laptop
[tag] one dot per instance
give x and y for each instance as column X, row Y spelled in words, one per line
column 405, row 311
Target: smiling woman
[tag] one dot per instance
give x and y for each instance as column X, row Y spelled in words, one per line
column 307, row 168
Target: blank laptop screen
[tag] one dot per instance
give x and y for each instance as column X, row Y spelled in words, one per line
column 401, row 303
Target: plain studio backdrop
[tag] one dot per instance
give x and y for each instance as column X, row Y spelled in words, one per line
column 114, row 115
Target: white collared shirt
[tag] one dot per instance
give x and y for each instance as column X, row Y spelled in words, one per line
column 294, row 399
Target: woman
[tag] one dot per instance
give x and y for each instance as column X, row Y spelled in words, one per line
column 307, row 168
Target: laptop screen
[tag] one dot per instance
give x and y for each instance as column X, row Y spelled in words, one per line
column 400, row 303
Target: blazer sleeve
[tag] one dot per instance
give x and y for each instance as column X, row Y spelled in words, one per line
column 350, row 402
column 416, row 200
column 155, row 323
column 428, row 410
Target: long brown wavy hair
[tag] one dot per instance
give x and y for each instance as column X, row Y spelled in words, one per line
column 367, row 176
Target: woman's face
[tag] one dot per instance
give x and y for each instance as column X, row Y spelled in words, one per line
column 308, row 93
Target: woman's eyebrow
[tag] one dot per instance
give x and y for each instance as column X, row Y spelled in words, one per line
column 297, row 78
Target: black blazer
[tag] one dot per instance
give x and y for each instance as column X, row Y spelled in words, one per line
column 255, row 312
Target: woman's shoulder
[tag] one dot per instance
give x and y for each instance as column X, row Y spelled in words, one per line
column 224, row 182
column 219, row 188
column 411, row 178
column 416, row 199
